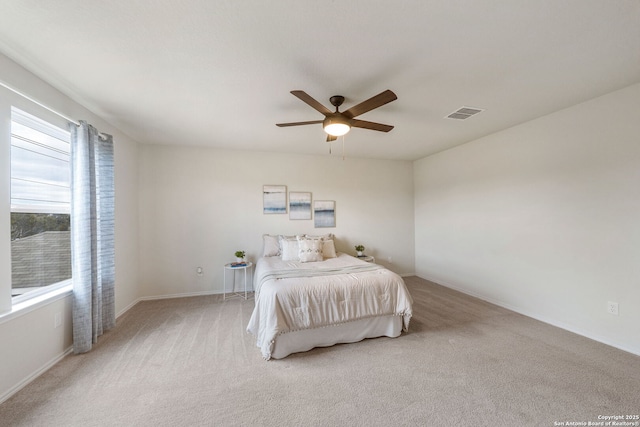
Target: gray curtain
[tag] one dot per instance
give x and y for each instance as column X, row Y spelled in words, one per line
column 92, row 235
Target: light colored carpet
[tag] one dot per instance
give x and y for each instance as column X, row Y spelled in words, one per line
column 464, row 362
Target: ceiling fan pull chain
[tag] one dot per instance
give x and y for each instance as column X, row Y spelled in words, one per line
column 343, row 136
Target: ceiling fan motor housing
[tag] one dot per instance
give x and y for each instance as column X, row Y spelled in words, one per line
column 336, row 101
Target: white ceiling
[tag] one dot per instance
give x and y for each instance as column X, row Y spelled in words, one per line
column 218, row 73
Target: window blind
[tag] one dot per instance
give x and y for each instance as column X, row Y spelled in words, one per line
column 40, row 173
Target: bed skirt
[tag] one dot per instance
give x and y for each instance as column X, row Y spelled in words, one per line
column 357, row 330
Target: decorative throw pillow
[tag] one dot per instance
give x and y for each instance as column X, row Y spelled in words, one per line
column 328, row 249
column 290, row 249
column 271, row 246
column 310, row 250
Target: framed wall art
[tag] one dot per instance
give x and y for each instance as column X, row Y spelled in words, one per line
column 324, row 213
column 274, row 199
column 299, row 205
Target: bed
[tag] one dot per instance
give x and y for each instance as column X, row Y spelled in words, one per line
column 335, row 298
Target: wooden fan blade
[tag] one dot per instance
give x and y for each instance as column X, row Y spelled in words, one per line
column 331, row 138
column 313, row 122
column 302, row 95
column 371, row 103
column 370, row 125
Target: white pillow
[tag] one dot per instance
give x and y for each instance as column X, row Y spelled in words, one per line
column 271, row 246
column 310, row 250
column 290, row 249
column 282, row 237
column 328, row 249
column 329, row 236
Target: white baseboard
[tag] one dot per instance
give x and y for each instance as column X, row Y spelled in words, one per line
column 127, row 308
column 167, row 296
column 16, row 388
column 184, row 295
column 541, row 318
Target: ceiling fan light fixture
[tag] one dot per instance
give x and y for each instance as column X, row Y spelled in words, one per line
column 336, row 126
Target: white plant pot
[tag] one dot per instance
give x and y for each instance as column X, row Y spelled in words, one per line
column 359, row 253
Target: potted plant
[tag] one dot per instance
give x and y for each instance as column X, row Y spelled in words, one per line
column 239, row 256
column 360, row 250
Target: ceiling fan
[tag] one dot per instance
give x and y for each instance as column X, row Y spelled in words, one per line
column 339, row 123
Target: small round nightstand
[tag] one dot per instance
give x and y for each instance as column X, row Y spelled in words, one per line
column 367, row 258
column 246, row 267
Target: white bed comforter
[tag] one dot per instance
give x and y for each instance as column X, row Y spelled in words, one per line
column 291, row 296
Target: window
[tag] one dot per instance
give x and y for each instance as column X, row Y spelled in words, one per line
column 40, row 205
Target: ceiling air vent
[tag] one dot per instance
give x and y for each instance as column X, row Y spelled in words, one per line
column 464, row 113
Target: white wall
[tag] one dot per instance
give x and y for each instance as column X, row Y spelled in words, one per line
column 29, row 342
column 198, row 206
column 542, row 218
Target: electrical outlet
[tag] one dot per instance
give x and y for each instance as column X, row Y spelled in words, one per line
column 612, row 308
column 390, row 260
column 57, row 320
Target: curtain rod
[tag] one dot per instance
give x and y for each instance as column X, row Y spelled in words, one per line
column 35, row 101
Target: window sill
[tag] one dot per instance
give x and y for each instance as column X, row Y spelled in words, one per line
column 28, row 305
